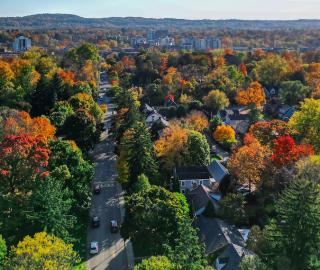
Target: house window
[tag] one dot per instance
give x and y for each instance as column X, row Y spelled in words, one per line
column 182, row 183
column 183, row 191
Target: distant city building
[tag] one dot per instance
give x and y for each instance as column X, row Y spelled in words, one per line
column 21, row 44
column 200, row 44
column 138, row 41
column 213, row 43
column 151, row 35
column 161, row 34
column 166, row 42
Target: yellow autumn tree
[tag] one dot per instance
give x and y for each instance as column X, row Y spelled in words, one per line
column 197, row 121
column 253, row 95
column 224, row 134
column 171, row 146
column 42, row 251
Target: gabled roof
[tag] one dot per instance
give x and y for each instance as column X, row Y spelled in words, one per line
column 192, row 172
column 217, row 171
column 199, row 198
column 216, row 234
column 233, row 255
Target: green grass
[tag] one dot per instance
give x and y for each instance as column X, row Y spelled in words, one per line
column 216, row 157
column 81, row 266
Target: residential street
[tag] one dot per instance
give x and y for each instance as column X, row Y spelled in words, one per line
column 107, row 205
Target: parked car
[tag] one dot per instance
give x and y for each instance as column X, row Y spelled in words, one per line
column 114, row 227
column 95, row 221
column 94, row 247
column 97, row 189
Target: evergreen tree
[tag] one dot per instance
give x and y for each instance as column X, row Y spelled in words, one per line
column 296, row 237
column 43, row 98
column 138, row 149
column 209, row 211
column 188, row 252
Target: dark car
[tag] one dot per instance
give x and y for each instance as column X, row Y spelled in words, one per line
column 114, row 227
column 97, row 189
column 95, row 221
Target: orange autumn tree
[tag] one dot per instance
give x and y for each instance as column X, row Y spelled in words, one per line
column 68, row 77
column 249, row 161
column 253, row 95
column 224, row 134
column 197, row 121
column 171, row 146
column 21, row 122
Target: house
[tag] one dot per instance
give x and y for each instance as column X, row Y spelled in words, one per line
column 217, row 234
column 193, row 176
column 286, row 112
column 153, row 116
column 199, row 198
column 190, row 177
column 237, row 117
column 218, row 171
column 231, row 257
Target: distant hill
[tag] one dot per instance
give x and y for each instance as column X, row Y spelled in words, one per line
column 46, row 21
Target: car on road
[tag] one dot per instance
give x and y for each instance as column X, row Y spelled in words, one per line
column 95, row 221
column 94, row 247
column 114, row 227
column 97, row 189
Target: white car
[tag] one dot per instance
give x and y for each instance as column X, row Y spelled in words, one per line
column 94, row 247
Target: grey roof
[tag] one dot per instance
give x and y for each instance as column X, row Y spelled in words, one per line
column 217, row 171
column 199, row 197
column 216, row 234
column 233, row 255
column 192, row 172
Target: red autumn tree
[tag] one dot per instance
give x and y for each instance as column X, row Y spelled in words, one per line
column 23, row 158
column 267, row 132
column 286, row 151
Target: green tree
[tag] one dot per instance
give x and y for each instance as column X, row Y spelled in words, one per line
column 51, row 207
column 188, row 252
column 216, row 100
column 3, row 251
column 198, row 149
column 296, row 236
column 42, row 251
column 233, row 208
column 66, row 159
column 43, row 97
column 138, row 150
column 61, row 111
column 252, row 263
column 292, row 92
column 210, row 210
column 155, row 263
column 142, row 183
column 153, row 217
column 272, row 70
column 81, row 127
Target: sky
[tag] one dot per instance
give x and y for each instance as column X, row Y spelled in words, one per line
column 187, row 9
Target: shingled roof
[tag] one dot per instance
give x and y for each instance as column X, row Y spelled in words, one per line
column 216, row 234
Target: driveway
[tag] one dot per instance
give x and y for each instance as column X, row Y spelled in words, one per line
column 114, row 253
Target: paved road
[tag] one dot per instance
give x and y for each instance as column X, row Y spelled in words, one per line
column 107, row 205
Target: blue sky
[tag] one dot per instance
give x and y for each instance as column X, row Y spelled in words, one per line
column 189, row 9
